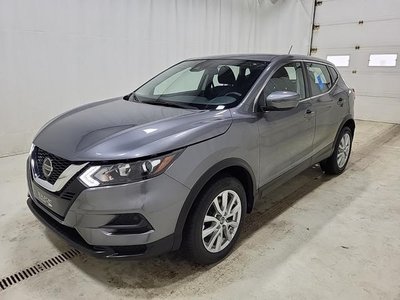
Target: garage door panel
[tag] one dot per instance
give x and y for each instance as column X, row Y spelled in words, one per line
column 358, row 59
column 367, row 35
column 379, row 85
column 376, row 80
column 338, row 11
column 381, row 88
column 377, row 109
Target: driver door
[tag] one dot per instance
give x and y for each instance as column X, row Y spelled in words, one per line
column 286, row 137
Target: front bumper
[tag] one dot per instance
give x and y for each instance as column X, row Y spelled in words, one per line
column 84, row 221
column 74, row 239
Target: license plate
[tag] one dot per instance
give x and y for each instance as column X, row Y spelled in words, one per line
column 42, row 198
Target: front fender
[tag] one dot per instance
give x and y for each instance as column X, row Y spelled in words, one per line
column 238, row 147
column 198, row 187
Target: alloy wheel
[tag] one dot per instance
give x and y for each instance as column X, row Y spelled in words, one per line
column 343, row 150
column 221, row 221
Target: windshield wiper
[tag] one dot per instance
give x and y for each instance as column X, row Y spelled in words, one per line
column 171, row 104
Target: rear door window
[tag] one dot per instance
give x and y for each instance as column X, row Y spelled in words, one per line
column 320, row 79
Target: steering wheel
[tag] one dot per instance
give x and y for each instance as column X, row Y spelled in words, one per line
column 234, row 94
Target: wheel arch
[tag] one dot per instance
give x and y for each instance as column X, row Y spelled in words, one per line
column 347, row 121
column 237, row 168
column 351, row 124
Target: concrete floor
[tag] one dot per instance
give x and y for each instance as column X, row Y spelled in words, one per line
column 322, row 238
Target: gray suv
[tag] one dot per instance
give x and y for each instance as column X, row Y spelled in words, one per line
column 178, row 163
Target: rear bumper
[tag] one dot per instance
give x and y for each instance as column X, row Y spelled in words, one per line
column 74, row 239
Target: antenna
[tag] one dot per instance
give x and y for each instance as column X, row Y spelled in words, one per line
column 290, row 49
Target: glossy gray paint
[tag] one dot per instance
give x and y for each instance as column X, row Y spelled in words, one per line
column 270, row 144
column 158, row 199
column 116, row 130
column 281, row 101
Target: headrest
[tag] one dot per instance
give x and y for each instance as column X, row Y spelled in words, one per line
column 280, row 73
column 226, row 76
column 311, row 74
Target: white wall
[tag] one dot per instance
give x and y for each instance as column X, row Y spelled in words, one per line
column 57, row 54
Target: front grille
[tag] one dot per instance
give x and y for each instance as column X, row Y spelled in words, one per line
column 59, row 165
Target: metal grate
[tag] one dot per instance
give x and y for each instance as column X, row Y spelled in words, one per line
column 59, row 165
column 36, row 269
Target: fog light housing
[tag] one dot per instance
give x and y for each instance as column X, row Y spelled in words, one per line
column 134, row 223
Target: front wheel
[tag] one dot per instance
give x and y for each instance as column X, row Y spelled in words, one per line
column 337, row 162
column 214, row 224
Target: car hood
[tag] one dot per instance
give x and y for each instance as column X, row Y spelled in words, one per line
column 116, row 129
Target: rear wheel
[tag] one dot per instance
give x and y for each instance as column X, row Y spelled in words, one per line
column 214, row 224
column 337, row 162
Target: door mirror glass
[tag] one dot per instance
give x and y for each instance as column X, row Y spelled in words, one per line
column 280, row 100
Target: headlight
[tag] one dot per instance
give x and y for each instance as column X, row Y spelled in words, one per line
column 125, row 172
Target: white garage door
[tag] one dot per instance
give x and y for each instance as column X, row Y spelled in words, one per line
column 362, row 37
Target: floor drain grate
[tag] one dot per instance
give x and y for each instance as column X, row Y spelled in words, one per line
column 36, row 269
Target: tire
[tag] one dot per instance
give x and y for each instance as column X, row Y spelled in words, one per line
column 337, row 162
column 207, row 241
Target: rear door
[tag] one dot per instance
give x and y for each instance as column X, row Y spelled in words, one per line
column 329, row 101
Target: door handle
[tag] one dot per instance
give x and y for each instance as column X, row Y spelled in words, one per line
column 340, row 102
column 309, row 114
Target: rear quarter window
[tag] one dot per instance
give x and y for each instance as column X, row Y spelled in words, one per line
column 334, row 74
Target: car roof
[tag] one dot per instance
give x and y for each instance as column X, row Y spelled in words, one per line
column 265, row 57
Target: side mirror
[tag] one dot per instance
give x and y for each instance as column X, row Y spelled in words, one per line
column 279, row 100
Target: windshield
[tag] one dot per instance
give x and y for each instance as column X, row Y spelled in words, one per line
column 202, row 84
